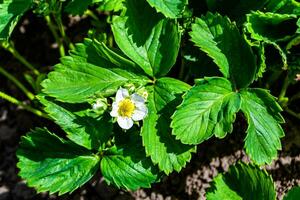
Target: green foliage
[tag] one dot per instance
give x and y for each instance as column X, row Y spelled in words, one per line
column 164, row 150
column 242, row 182
column 170, row 8
column 293, row 194
column 208, row 109
column 125, row 164
column 84, row 130
column 264, row 131
column 52, row 164
column 10, row 13
column 221, row 40
column 150, row 40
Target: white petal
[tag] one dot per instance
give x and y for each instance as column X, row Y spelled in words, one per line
column 121, row 94
column 114, row 112
column 125, row 122
column 140, row 113
column 137, row 99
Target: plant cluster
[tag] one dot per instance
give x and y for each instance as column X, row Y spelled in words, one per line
column 179, row 74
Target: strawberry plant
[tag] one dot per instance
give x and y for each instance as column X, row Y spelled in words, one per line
column 135, row 102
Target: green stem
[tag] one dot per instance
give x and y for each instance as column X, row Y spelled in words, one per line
column 283, row 91
column 91, row 14
column 22, row 105
column 10, row 47
column 61, row 29
column 17, row 82
column 55, row 35
column 294, row 114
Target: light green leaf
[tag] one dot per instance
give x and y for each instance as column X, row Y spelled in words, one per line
column 112, row 5
column 264, row 130
column 125, row 164
column 221, row 40
column 271, row 27
column 147, row 38
column 164, row 150
column 293, row 194
column 49, row 163
column 83, row 130
column 170, row 8
column 208, row 109
column 89, row 71
column 242, row 182
column 10, row 13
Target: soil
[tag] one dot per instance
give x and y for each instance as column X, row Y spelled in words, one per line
column 212, row 157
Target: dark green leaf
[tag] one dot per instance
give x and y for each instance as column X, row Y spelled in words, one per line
column 125, row 164
column 264, row 130
column 170, row 8
column 293, row 194
column 221, row 40
column 271, row 27
column 164, row 150
column 52, row 164
column 147, row 38
column 208, row 109
column 10, row 13
column 84, row 130
column 242, row 182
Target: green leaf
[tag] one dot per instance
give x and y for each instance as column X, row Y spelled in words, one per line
column 170, row 8
column 293, row 194
column 164, row 150
column 235, row 9
column 147, row 38
column 283, row 7
column 271, row 27
column 264, row 130
column 49, row 163
column 242, row 182
column 208, row 109
column 125, row 164
column 89, row 71
column 77, row 7
column 10, row 13
column 112, row 5
column 83, row 130
column 221, row 40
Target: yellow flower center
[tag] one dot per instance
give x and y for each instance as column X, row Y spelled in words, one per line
column 126, row 108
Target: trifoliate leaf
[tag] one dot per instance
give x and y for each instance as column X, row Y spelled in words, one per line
column 170, row 8
column 221, row 40
column 264, row 130
column 125, row 165
column 164, row 150
column 271, row 27
column 293, row 194
column 208, row 109
column 83, row 130
column 10, row 13
column 147, row 38
column 242, row 182
column 49, row 163
column 87, row 72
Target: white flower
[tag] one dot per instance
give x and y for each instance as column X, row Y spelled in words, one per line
column 128, row 108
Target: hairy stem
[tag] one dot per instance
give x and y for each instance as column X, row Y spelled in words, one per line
column 283, row 91
column 61, row 29
column 55, row 35
column 10, row 47
column 17, row 83
column 294, row 114
column 22, row 105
